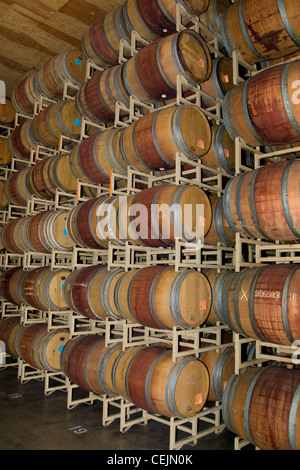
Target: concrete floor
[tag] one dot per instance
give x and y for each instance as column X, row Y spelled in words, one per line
column 30, row 420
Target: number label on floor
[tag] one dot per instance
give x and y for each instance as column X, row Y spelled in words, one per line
column 78, row 430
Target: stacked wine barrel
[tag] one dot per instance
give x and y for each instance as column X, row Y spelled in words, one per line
column 259, row 303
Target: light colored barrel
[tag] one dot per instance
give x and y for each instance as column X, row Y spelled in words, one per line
column 258, row 397
column 169, row 298
column 7, row 113
column 42, row 349
column 70, row 66
column 247, row 197
column 260, row 31
column 219, row 231
column 43, row 288
column 220, row 365
column 153, row 141
column 158, row 385
column 264, row 110
column 13, row 235
column 59, row 118
column 170, row 211
column 221, row 154
column 5, row 155
column 219, row 83
column 50, row 174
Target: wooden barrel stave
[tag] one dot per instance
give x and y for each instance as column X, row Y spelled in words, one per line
column 257, row 407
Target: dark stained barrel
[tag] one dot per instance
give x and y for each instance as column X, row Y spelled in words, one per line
column 262, row 303
column 87, row 362
column 96, row 100
column 184, row 53
column 262, row 406
column 261, row 31
column 90, row 292
column 272, row 190
column 24, row 96
column 264, row 110
column 93, row 158
column 22, row 141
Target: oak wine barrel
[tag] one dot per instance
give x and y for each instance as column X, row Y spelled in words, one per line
column 94, row 223
column 5, row 155
column 59, row 118
column 42, row 349
column 96, row 100
column 169, row 298
column 211, row 18
column 22, row 141
column 24, row 96
column 43, row 288
column 8, row 328
column 153, row 141
column 120, row 367
column 185, row 53
column 88, row 363
column 219, row 83
column 157, row 384
column 262, row 406
column 17, row 188
column 264, row 110
column 273, row 188
column 260, row 31
column 7, row 113
column 91, row 291
column 221, row 154
column 93, row 158
column 261, row 303
column 5, row 282
column 70, row 66
column 100, row 42
column 217, row 281
column 43, row 232
column 11, row 335
column 219, row 231
column 159, row 215
column 220, row 365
